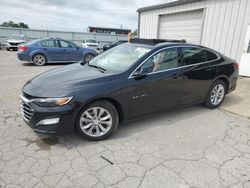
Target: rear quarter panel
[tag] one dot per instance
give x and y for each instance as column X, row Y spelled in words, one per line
column 36, row 49
column 85, row 51
column 228, row 70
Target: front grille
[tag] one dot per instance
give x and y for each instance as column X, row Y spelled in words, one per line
column 27, row 111
column 14, row 44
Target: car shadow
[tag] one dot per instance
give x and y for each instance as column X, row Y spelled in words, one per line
column 158, row 119
column 50, row 64
column 128, row 128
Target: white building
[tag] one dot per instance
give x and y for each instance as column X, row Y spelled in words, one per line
column 219, row 24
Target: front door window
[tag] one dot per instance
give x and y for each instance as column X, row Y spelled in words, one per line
column 164, row 60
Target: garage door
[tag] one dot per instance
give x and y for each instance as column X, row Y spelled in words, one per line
column 185, row 25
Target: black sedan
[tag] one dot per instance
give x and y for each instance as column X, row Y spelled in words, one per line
column 116, row 43
column 127, row 81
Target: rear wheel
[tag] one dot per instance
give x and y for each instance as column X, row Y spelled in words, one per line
column 97, row 121
column 39, row 60
column 216, row 94
column 88, row 57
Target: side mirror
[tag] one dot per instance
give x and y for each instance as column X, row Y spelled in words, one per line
column 143, row 71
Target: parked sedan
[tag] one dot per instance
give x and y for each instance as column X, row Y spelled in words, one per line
column 53, row 50
column 125, row 82
column 116, row 43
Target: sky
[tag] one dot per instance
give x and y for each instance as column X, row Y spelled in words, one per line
column 74, row 15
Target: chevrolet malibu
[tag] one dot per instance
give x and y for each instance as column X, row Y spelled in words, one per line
column 130, row 80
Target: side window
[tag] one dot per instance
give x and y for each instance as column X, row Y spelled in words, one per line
column 48, row 43
column 166, row 59
column 65, row 44
column 192, row 55
column 211, row 56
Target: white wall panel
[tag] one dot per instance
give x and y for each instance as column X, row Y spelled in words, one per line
column 225, row 23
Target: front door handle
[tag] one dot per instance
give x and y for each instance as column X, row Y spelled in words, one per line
column 176, row 76
column 210, row 69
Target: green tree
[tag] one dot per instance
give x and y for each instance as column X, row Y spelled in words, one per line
column 13, row 24
column 134, row 33
column 23, row 25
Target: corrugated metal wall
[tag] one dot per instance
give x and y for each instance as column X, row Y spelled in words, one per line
column 76, row 37
column 224, row 28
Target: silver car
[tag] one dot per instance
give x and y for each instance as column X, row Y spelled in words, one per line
column 14, row 40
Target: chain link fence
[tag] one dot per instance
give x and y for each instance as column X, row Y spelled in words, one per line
column 76, row 37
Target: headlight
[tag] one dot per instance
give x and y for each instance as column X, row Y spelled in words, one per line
column 51, row 102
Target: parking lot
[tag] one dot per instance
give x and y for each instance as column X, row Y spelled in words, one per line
column 190, row 147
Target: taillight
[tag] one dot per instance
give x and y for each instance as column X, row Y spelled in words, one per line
column 22, row 48
column 236, row 65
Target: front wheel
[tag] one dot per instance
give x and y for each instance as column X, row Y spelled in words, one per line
column 97, row 121
column 39, row 60
column 88, row 57
column 216, row 94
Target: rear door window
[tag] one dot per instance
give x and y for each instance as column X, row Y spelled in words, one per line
column 48, row 43
column 211, row 56
column 191, row 55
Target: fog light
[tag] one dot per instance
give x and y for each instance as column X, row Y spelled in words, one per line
column 48, row 121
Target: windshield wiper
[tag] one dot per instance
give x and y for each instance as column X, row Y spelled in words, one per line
column 83, row 62
column 97, row 67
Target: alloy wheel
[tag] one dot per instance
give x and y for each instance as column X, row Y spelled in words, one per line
column 95, row 121
column 217, row 94
column 39, row 60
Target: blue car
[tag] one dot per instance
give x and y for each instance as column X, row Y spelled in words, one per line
column 53, row 50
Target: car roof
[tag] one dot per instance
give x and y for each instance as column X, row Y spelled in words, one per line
column 154, row 42
column 52, row 38
column 159, row 43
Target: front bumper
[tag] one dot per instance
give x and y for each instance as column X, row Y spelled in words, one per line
column 233, row 81
column 33, row 114
column 9, row 45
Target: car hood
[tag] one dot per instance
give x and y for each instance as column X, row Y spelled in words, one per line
column 61, row 81
column 15, row 41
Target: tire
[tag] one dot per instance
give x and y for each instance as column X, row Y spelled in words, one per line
column 89, row 124
column 216, row 94
column 88, row 57
column 39, row 60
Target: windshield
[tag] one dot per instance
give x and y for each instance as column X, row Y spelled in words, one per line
column 90, row 41
column 120, row 58
column 17, row 37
